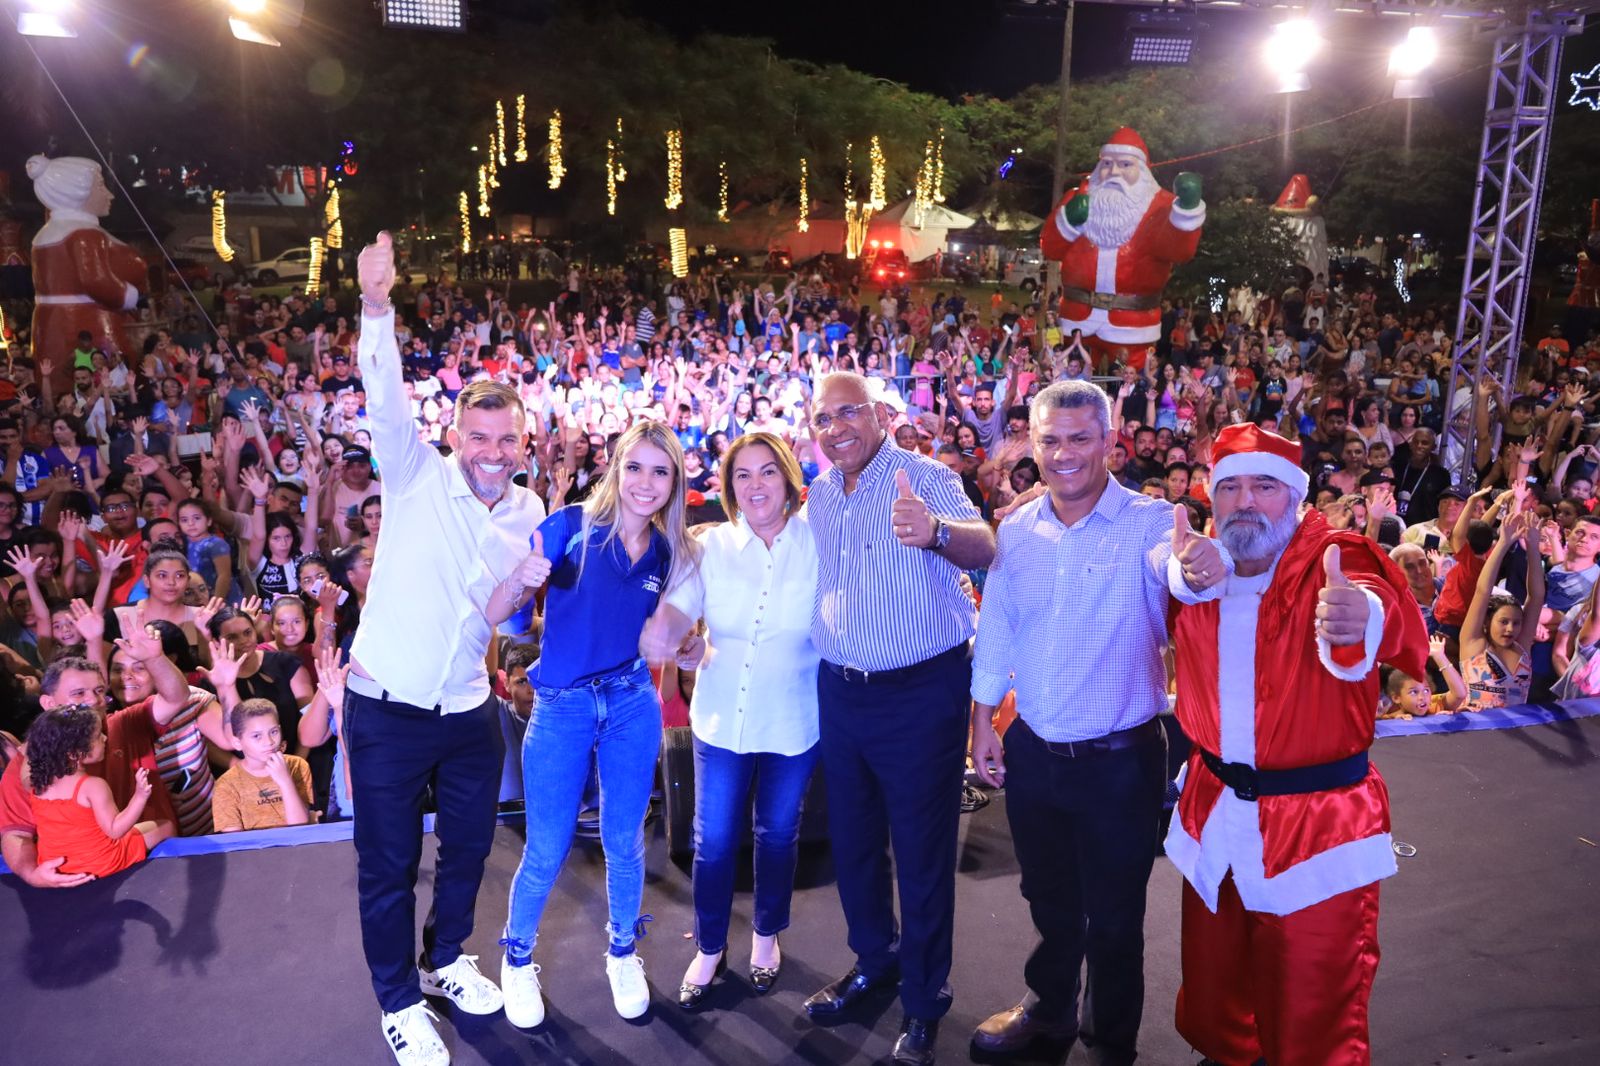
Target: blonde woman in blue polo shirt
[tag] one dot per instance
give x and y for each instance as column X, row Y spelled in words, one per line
column 609, row 560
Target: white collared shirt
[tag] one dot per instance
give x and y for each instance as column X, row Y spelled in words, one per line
column 757, row 688
column 423, row 634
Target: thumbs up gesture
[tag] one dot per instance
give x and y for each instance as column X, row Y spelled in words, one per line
column 532, row 571
column 913, row 522
column 1342, row 608
column 1197, row 554
column 375, row 269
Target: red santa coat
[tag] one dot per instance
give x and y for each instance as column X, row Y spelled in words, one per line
column 85, row 279
column 1256, row 685
column 1166, row 236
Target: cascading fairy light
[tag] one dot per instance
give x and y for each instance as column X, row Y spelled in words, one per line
column 558, row 166
column 314, row 272
column 856, row 214
column 219, row 225
column 500, row 131
column 804, row 224
column 465, row 207
column 483, row 191
column 622, row 170
column 938, row 169
column 674, row 169
column 522, row 128
column 678, row 241
column 924, row 188
column 877, row 196
column 335, row 223
column 611, row 177
column 491, row 167
column 722, row 191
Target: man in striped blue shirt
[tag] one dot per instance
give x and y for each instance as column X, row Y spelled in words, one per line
column 894, row 531
column 1074, row 620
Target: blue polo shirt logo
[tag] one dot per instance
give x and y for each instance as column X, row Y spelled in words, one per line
column 652, row 583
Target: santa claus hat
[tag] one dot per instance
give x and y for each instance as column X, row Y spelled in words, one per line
column 1296, row 196
column 1249, row 449
column 1126, row 142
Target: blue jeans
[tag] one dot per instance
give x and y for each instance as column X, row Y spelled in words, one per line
column 617, row 720
column 721, row 800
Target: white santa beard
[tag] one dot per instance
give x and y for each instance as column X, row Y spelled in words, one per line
column 1115, row 209
column 1251, row 537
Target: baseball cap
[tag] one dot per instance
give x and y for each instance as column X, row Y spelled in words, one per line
column 355, row 453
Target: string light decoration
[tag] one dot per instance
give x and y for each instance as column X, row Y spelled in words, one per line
column 522, row 128
column 674, row 170
column 856, row 213
column 314, row 273
column 877, row 197
column 1400, row 280
column 849, row 171
column 923, row 193
column 465, row 207
column 500, row 130
column 483, row 191
column 804, row 225
column 335, row 223
column 938, row 169
column 722, row 191
column 678, row 241
column 493, row 170
column 558, row 167
column 219, row 226
column 622, row 170
column 611, row 176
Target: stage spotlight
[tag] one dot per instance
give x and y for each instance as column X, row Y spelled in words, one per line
column 253, row 21
column 45, row 18
column 1160, row 37
column 425, row 14
column 1289, row 51
column 1408, row 61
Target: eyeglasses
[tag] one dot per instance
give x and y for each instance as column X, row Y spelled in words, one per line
column 848, row 412
column 117, row 508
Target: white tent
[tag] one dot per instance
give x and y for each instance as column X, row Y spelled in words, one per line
column 920, row 233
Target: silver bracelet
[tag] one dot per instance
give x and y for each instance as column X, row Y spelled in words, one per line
column 514, row 588
column 376, row 310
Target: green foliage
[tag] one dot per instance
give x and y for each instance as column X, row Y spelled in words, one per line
column 1243, row 242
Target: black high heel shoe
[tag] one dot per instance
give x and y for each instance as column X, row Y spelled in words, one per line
column 692, row 997
column 762, row 978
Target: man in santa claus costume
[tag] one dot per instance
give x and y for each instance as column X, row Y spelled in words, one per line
column 1282, row 827
column 86, row 278
column 1117, row 236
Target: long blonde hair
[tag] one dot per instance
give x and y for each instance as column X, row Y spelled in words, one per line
column 602, row 505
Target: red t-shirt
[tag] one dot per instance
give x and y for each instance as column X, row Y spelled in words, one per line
column 1450, row 607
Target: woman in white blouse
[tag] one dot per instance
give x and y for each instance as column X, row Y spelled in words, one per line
column 754, row 712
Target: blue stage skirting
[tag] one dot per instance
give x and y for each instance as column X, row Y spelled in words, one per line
column 1502, row 718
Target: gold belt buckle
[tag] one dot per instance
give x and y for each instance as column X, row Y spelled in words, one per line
column 1102, row 300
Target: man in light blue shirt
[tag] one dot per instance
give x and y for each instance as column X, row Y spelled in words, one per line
column 1074, row 621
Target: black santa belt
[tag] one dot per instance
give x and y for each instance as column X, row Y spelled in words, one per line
column 1249, row 783
column 1111, row 301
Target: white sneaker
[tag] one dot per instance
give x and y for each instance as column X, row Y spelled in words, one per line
column 630, row 992
column 413, row 1039
column 462, row 984
column 524, row 1004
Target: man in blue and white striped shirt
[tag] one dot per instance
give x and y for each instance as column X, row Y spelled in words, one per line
column 1074, row 620
column 894, row 531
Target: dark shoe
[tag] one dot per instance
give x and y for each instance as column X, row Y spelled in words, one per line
column 1014, row 1029
column 838, row 996
column 917, row 1038
column 762, row 978
column 692, row 997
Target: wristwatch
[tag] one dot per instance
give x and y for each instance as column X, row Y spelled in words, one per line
column 941, row 534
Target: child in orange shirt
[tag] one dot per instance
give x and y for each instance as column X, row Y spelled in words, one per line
column 266, row 789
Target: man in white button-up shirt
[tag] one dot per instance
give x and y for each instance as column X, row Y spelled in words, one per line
column 418, row 706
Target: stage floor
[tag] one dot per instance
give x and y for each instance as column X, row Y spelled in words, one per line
column 1491, row 948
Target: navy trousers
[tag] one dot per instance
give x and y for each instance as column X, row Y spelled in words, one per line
column 893, row 755
column 396, row 752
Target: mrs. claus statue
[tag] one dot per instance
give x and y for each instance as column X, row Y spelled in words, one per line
column 1282, row 829
column 84, row 278
column 1117, row 237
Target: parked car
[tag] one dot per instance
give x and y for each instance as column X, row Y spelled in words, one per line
column 885, row 263
column 290, row 265
column 194, row 272
column 1024, row 268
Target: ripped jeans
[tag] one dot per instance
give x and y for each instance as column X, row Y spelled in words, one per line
column 616, row 721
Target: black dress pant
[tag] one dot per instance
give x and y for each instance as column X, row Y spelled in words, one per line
column 893, row 755
column 1085, row 832
column 396, row 752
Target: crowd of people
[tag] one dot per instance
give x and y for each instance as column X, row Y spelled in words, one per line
column 209, row 627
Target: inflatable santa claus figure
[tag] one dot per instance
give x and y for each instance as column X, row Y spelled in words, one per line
column 1282, row 826
column 84, row 278
column 1118, row 236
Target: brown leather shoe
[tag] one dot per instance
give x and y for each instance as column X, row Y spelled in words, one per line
column 1014, row 1029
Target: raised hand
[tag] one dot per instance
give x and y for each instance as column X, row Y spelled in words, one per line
column 533, row 570
column 331, row 676
column 1436, row 650
column 256, row 482
column 375, row 270
column 112, row 558
column 26, row 566
column 913, row 523
column 224, row 670
column 250, row 605
column 144, row 465
column 138, row 426
column 1342, row 608
column 90, row 624
column 141, row 643
column 141, row 783
column 203, row 615
column 1198, row 555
